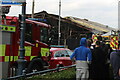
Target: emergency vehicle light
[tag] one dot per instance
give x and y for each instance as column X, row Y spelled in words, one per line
column 37, row 19
column 8, row 28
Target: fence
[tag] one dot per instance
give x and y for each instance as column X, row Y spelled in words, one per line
column 38, row 72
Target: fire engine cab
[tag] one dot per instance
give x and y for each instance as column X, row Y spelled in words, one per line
column 36, row 44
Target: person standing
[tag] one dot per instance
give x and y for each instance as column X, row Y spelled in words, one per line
column 89, row 42
column 98, row 62
column 115, row 62
column 83, row 56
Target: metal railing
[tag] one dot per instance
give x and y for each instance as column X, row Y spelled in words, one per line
column 24, row 75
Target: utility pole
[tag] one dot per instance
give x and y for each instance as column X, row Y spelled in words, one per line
column 21, row 61
column 118, row 20
column 118, row 15
column 59, row 34
column 33, row 7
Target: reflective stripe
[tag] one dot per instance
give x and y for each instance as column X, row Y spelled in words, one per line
column 2, row 50
column 15, row 58
column 114, row 42
column 44, row 50
column 10, row 58
column 112, row 45
column 114, row 38
column 8, row 28
column 6, row 58
column 32, row 57
column 27, row 50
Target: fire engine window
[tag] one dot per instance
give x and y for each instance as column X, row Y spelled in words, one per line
column 28, row 33
column 44, row 35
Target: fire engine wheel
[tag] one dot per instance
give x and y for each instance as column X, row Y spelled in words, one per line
column 35, row 64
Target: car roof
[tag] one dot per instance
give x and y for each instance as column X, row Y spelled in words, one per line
column 57, row 49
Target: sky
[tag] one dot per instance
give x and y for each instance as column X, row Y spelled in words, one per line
column 101, row 11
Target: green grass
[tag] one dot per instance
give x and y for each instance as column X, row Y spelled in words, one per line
column 68, row 74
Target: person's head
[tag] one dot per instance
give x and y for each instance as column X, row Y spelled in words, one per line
column 108, row 45
column 98, row 43
column 83, row 42
column 99, row 38
column 89, row 42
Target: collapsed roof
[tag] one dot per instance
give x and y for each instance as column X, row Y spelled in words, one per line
column 95, row 27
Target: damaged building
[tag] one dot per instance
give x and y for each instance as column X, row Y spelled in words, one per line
column 71, row 29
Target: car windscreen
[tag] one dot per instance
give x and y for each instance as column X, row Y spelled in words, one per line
column 61, row 53
column 69, row 52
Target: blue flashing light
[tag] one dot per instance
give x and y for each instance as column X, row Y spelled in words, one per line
column 37, row 19
column 10, row 2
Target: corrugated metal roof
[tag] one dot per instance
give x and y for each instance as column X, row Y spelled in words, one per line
column 90, row 24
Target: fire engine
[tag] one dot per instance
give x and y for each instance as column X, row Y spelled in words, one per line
column 36, row 44
column 38, row 52
column 111, row 38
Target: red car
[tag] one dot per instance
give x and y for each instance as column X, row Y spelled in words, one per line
column 60, row 57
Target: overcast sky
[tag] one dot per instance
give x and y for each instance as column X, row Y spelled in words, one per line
column 101, row 11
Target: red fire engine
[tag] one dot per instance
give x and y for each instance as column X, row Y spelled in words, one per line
column 38, row 54
column 36, row 37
